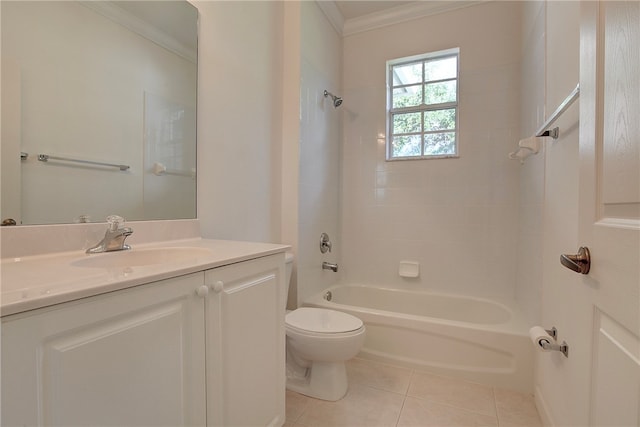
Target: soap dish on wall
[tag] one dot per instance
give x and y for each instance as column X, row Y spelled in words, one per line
column 409, row 269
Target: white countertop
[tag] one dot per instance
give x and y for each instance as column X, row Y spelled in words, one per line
column 27, row 283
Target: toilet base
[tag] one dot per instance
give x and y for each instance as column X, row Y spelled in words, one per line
column 323, row 380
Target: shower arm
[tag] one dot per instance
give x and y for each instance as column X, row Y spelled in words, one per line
column 337, row 101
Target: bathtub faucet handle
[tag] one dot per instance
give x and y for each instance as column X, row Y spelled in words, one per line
column 325, row 243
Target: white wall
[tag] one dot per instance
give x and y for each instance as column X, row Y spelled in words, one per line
column 320, row 150
column 561, row 386
column 457, row 217
column 239, row 120
column 531, row 195
column 83, row 79
column 268, row 142
column 549, row 210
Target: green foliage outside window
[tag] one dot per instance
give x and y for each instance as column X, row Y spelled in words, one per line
column 423, row 113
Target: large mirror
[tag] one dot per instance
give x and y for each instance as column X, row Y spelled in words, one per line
column 98, row 110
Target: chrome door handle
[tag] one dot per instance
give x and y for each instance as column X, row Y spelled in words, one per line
column 580, row 262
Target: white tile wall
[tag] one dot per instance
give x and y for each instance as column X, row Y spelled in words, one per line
column 320, row 151
column 564, row 388
column 457, row 217
column 530, row 232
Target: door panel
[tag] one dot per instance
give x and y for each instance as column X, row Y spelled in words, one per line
column 610, row 205
column 118, row 359
column 615, row 391
column 620, row 183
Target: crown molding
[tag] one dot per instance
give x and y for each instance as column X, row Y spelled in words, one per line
column 137, row 25
column 400, row 14
column 332, row 13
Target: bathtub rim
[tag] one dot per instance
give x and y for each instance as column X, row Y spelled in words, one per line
column 516, row 325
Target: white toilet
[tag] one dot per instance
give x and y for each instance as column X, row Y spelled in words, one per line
column 319, row 341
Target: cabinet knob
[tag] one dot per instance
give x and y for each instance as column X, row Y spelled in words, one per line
column 202, row 291
column 218, row 286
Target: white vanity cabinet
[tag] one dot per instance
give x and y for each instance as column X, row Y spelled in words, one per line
column 131, row 357
column 202, row 349
column 246, row 344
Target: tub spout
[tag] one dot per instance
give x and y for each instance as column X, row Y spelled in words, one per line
column 330, row 266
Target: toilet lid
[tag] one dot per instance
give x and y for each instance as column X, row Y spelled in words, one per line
column 322, row 320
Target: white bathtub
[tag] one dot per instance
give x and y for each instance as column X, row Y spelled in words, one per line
column 471, row 338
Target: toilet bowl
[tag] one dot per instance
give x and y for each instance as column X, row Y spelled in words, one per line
column 319, row 342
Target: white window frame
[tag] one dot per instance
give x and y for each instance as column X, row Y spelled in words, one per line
column 422, row 108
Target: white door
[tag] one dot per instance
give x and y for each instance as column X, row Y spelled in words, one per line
column 610, row 204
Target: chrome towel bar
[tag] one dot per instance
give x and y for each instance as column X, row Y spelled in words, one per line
column 47, row 157
column 553, row 133
column 529, row 146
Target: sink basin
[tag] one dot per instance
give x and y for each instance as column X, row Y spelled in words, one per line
column 141, row 257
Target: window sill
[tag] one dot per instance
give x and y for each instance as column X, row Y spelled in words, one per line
column 402, row 159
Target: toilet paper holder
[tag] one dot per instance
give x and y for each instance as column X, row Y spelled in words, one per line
column 562, row 348
column 553, row 333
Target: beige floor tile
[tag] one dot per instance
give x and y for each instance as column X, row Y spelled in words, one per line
column 295, row 405
column 516, row 409
column 362, row 406
column 423, row 413
column 461, row 394
column 379, row 375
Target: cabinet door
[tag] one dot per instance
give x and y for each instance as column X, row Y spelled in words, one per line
column 245, row 343
column 128, row 358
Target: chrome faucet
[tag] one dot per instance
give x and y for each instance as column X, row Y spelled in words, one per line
column 114, row 237
column 330, row 266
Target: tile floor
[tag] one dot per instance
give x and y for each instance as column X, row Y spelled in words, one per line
column 385, row 395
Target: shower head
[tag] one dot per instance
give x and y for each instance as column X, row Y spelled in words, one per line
column 337, row 101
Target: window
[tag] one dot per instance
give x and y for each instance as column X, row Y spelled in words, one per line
column 422, row 118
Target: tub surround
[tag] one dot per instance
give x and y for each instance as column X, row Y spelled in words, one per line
column 428, row 210
column 34, row 281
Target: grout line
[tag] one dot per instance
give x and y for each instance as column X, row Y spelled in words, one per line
column 449, row 404
column 372, row 387
column 452, row 406
column 403, row 391
column 406, row 394
column 495, row 405
column 413, row 374
column 401, row 409
column 411, row 377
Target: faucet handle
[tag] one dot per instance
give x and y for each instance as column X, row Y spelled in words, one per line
column 325, row 243
column 114, row 222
